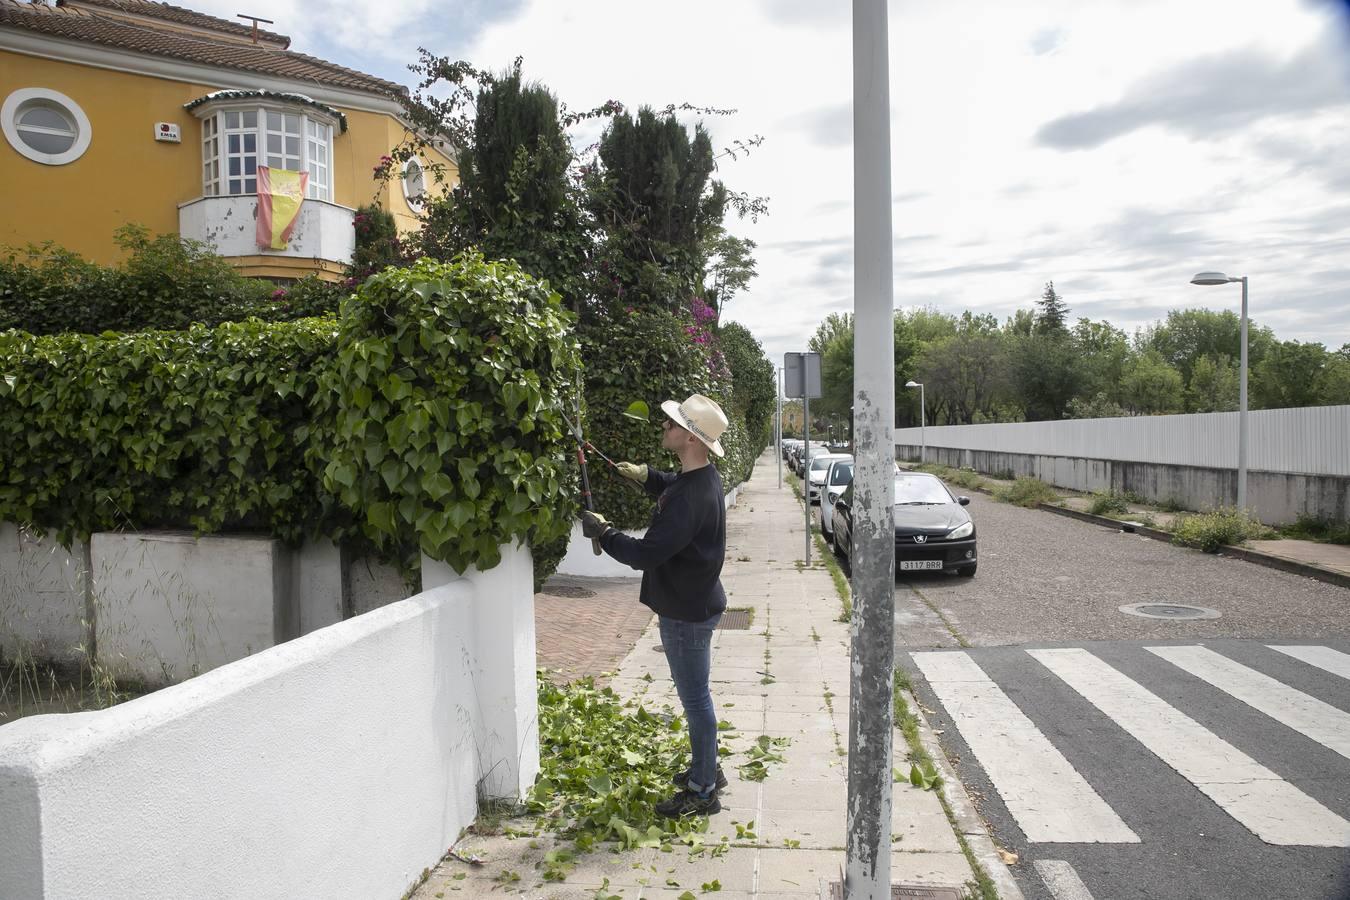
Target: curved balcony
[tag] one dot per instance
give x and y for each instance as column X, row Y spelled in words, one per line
column 322, row 243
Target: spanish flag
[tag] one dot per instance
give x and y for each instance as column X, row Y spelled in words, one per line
column 280, row 193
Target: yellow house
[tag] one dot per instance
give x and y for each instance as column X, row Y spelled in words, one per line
column 122, row 111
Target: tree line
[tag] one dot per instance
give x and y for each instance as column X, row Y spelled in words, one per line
column 1038, row 364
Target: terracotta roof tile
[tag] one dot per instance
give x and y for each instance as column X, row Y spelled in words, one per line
column 86, row 25
column 184, row 17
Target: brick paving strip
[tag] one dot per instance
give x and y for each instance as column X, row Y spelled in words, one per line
column 798, row 811
column 586, row 626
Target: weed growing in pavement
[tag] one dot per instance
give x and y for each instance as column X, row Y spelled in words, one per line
column 1212, row 530
column 1028, row 492
column 1172, row 505
column 983, row 887
column 841, row 585
column 1104, row 502
column 1311, row 528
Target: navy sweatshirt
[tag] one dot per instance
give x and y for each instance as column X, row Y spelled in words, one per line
column 682, row 552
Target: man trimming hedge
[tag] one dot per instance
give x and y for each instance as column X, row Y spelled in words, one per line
column 681, row 558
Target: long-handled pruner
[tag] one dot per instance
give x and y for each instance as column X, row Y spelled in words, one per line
column 586, row 498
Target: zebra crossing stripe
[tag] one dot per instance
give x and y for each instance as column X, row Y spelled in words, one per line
column 1267, row 805
column 1307, row 715
column 1333, row 661
column 1063, row 882
column 1047, row 797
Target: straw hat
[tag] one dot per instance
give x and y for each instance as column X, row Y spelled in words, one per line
column 701, row 417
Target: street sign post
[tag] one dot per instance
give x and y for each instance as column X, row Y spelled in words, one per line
column 801, row 379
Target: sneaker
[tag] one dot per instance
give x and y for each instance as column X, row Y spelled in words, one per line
column 687, row 803
column 682, row 780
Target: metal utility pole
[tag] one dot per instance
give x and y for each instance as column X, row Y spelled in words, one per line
column 867, row 873
column 778, row 384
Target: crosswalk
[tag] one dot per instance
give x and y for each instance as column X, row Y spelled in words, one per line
column 1052, row 801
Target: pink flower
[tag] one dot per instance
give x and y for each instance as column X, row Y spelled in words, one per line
column 279, row 294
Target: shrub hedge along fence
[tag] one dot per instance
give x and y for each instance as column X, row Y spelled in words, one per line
column 428, row 419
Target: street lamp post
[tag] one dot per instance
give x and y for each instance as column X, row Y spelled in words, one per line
column 1209, row 278
column 923, row 439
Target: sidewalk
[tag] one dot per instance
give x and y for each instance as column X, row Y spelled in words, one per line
column 798, row 812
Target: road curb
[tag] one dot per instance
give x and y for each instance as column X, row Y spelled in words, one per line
column 1258, row 557
column 968, row 821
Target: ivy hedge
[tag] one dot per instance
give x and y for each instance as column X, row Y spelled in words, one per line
column 652, row 354
column 428, row 419
column 449, row 436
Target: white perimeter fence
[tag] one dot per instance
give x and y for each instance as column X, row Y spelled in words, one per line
column 336, row 765
column 1298, row 460
column 1312, row 440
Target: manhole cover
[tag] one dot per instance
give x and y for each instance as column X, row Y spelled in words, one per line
column 567, row 590
column 1169, row 611
column 734, row 620
column 906, row 892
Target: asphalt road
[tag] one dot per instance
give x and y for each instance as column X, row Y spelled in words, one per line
column 1139, row 745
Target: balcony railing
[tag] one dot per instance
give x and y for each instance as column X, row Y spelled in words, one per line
column 323, row 232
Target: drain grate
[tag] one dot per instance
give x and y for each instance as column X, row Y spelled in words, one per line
column 567, row 590
column 734, row 620
column 1176, row 611
column 906, row 892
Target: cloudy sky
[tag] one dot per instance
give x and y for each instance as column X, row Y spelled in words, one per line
column 1114, row 146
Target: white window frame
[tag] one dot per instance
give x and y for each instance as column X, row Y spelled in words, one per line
column 24, row 98
column 416, row 202
column 312, row 150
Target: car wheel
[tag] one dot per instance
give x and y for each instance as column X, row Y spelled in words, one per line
column 968, row 571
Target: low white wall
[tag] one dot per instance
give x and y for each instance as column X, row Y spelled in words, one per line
column 323, row 230
column 581, row 560
column 338, row 765
column 169, row 605
column 43, row 603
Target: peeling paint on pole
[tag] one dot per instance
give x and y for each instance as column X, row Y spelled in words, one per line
column 867, row 874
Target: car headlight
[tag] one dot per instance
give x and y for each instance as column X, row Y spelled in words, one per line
column 961, row 531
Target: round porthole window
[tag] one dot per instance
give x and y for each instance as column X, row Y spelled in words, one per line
column 45, row 126
column 414, row 184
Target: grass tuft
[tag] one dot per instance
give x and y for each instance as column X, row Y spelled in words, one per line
column 1028, row 492
column 1223, row 527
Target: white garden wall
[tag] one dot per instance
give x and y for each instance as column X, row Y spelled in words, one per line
column 337, row 765
column 581, row 559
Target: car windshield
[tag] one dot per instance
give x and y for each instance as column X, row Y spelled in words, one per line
column 820, row 463
column 917, row 490
column 842, row 474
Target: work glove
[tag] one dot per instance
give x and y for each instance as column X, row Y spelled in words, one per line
column 593, row 525
column 636, row 472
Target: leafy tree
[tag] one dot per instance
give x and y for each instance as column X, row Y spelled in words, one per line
column 1289, row 374
column 1213, row 385
column 1151, row 386
column 1334, row 383
column 514, row 199
column 1021, row 323
column 1188, row 334
column 1104, row 351
column 1100, row 406
column 730, row 266
column 1046, row 372
column 657, row 207
column 963, row 375
column 1054, row 312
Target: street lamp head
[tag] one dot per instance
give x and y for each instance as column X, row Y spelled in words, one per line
column 913, row 384
column 1212, row 278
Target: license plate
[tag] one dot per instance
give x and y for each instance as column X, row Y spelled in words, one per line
column 907, row 564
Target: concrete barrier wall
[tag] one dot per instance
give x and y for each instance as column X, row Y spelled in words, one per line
column 44, row 606
column 581, row 560
column 337, row 765
column 1274, row 497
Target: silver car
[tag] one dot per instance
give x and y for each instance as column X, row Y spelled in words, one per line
column 837, row 477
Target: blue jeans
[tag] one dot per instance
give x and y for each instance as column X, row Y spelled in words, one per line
column 688, row 647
